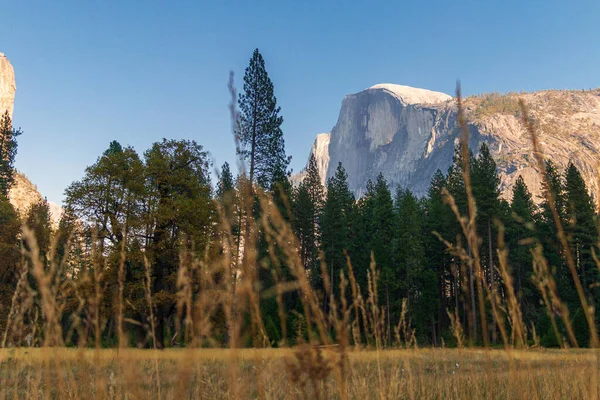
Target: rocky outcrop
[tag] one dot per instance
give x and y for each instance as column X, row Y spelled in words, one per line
column 7, row 86
column 407, row 134
column 568, row 125
column 320, row 149
column 382, row 129
column 23, row 194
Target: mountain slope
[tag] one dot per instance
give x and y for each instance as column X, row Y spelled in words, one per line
column 24, row 194
column 7, row 86
column 320, row 149
column 407, row 134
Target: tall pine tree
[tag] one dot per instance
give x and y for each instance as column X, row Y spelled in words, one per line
column 335, row 223
column 486, row 190
column 439, row 219
column 548, row 232
column 308, row 207
column 259, row 132
column 416, row 281
column 581, row 228
column 519, row 229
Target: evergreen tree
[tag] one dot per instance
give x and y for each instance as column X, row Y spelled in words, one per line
column 455, row 185
column 226, row 183
column 335, row 224
column 8, row 151
column 272, row 260
column 228, row 198
column 304, row 211
column 439, row 219
column 308, row 208
column 9, row 256
column 380, row 223
column 520, row 228
column 412, row 278
column 486, row 190
column 581, row 227
column 548, row 232
column 71, row 238
column 231, row 210
column 260, row 134
column 9, row 219
column 38, row 221
column 359, row 249
column 262, row 146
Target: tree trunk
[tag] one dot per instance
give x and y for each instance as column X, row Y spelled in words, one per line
column 433, row 331
column 442, row 298
column 159, row 330
column 492, row 278
column 387, row 294
column 472, row 295
column 519, row 293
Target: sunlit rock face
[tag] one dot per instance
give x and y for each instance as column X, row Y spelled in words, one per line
column 7, row 86
column 390, row 129
column 23, row 194
column 320, row 149
column 407, row 134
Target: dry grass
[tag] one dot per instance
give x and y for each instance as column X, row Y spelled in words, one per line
column 267, row 373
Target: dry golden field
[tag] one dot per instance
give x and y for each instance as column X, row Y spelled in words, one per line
column 298, row 373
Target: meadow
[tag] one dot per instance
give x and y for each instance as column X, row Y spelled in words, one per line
column 300, row 373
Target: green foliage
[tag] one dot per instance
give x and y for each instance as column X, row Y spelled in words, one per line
column 9, row 219
column 335, row 222
column 259, row 132
column 440, row 221
column 226, row 183
column 520, row 234
column 548, row 232
column 9, row 256
column 110, row 196
column 414, row 279
column 582, row 231
column 378, row 211
column 8, row 151
column 497, row 103
column 38, row 220
column 308, row 208
column 272, row 332
column 231, row 211
column 180, row 214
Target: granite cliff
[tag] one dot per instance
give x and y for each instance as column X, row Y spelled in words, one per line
column 7, row 86
column 23, row 193
column 407, row 134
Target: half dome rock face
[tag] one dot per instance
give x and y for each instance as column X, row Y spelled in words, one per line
column 386, row 128
column 410, row 95
column 407, row 134
column 7, row 86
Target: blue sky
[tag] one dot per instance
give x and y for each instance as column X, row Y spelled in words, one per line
column 92, row 71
